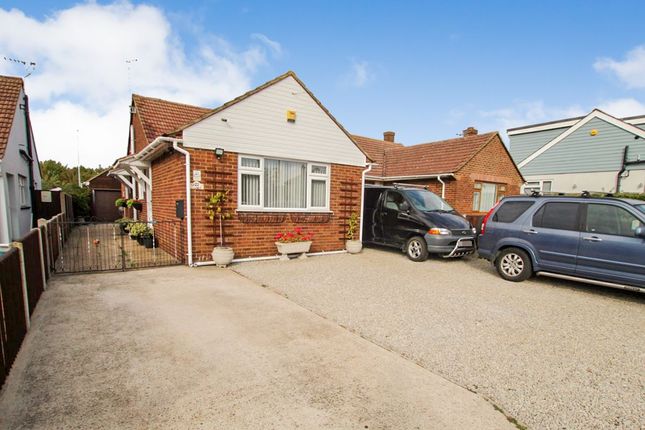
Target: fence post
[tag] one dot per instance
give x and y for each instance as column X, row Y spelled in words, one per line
column 42, row 257
column 23, row 275
column 43, row 223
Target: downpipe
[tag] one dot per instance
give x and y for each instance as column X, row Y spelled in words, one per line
column 189, row 217
column 443, row 187
column 365, row 172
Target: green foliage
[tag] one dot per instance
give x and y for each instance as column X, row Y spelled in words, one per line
column 120, row 202
column 215, row 210
column 56, row 174
column 352, row 225
column 140, row 229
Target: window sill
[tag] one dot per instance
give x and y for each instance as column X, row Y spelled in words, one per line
column 284, row 211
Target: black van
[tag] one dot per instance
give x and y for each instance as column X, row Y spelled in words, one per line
column 416, row 221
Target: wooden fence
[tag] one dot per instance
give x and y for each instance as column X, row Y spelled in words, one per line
column 25, row 267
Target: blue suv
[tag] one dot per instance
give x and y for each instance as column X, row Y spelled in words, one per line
column 595, row 240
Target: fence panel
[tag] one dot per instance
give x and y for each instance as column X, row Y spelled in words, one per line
column 33, row 272
column 13, row 328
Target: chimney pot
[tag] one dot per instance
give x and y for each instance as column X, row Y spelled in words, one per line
column 388, row 136
column 470, row 131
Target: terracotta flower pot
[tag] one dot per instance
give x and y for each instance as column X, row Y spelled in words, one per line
column 286, row 248
column 222, row 256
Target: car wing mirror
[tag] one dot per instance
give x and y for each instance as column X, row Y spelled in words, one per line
column 640, row 232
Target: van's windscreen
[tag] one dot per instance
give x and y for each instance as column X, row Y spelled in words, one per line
column 427, row 201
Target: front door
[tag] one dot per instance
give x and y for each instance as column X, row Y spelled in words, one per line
column 555, row 235
column 609, row 249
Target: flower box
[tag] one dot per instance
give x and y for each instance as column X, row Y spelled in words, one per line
column 286, row 248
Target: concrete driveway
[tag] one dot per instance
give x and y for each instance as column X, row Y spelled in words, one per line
column 552, row 354
column 207, row 348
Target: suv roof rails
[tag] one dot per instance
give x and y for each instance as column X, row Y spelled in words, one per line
column 586, row 194
column 401, row 185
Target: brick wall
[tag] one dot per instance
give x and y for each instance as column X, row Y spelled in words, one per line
column 249, row 234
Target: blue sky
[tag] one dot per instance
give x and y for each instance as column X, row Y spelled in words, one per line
column 423, row 69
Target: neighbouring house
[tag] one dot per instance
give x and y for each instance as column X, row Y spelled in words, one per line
column 595, row 152
column 104, row 190
column 471, row 172
column 283, row 158
column 19, row 168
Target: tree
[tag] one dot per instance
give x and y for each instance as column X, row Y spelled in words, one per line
column 56, row 174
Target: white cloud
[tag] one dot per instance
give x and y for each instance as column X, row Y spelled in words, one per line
column 631, row 70
column 623, row 107
column 524, row 113
column 81, row 78
column 360, row 74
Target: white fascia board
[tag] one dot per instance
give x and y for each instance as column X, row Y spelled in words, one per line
column 635, row 121
column 594, row 114
column 408, row 178
column 543, row 127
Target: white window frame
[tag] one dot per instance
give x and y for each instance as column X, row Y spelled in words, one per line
column 22, row 190
column 259, row 171
column 537, row 185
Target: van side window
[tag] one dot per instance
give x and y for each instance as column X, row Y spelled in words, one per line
column 510, row 211
column 557, row 215
column 609, row 219
column 393, row 200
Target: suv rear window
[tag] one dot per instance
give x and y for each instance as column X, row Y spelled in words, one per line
column 559, row 216
column 510, row 211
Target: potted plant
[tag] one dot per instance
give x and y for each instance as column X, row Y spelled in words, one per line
column 136, row 230
column 353, row 245
column 124, row 224
column 121, row 203
column 134, row 204
column 147, row 238
column 222, row 255
column 293, row 242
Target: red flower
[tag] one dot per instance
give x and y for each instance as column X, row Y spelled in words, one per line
column 298, row 230
column 278, row 236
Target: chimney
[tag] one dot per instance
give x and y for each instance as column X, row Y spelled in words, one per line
column 388, row 136
column 470, row 131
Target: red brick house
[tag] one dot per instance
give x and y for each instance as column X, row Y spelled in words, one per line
column 471, row 172
column 283, row 158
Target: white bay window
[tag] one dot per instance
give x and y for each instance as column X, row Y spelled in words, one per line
column 282, row 185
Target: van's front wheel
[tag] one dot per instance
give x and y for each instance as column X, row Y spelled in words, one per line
column 416, row 249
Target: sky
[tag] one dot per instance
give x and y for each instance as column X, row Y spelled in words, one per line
column 425, row 70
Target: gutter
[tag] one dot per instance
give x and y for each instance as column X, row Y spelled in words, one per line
column 413, row 177
column 623, row 167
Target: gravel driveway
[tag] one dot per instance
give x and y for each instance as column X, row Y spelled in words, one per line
column 550, row 353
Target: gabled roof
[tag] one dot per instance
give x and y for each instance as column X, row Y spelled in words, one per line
column 10, row 88
column 159, row 117
column 426, row 159
column 375, row 150
column 257, row 90
column 596, row 113
column 567, row 122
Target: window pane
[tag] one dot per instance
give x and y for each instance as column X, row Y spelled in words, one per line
column 318, row 194
column 607, row 219
column 561, row 216
column 488, row 197
column 510, row 211
column 546, row 186
column 476, row 201
column 250, row 162
column 285, row 184
column 250, row 190
column 319, row 170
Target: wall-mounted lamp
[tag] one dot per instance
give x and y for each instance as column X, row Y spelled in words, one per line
column 219, row 152
column 291, row 115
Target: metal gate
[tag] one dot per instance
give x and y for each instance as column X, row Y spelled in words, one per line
column 104, row 246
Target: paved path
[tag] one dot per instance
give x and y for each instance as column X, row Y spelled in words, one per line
column 207, row 348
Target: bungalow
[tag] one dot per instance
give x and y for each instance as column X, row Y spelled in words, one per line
column 471, row 172
column 283, row 158
column 595, row 152
column 19, row 169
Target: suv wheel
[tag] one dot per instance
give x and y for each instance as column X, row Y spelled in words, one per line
column 416, row 249
column 514, row 264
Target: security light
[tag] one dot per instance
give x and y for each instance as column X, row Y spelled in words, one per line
column 219, row 152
